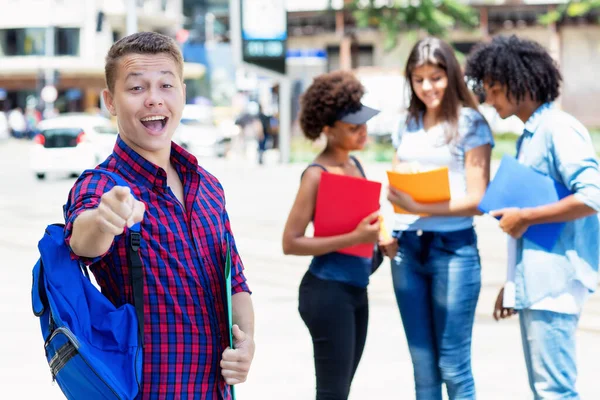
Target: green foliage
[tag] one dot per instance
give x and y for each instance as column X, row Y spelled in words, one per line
column 574, row 8
column 436, row 17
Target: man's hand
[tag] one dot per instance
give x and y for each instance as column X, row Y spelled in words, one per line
column 512, row 221
column 235, row 363
column 499, row 311
column 117, row 209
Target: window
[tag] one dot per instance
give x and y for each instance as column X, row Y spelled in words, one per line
column 32, row 41
column 66, row 42
column 22, row 42
column 361, row 56
column 8, row 42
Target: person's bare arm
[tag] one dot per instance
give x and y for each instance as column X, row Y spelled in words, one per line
column 515, row 221
column 395, row 161
column 243, row 312
column 577, row 164
column 477, row 170
column 294, row 240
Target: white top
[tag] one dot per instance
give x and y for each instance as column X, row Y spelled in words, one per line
column 430, row 149
column 571, row 301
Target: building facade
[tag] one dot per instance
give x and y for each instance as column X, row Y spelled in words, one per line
column 63, row 43
column 316, row 37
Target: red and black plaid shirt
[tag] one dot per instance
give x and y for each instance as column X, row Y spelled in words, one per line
column 183, row 253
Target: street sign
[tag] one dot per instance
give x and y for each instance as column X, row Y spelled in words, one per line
column 264, row 33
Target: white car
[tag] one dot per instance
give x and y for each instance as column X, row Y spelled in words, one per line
column 198, row 134
column 71, row 143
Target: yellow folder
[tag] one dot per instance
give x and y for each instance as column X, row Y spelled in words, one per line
column 424, row 187
column 384, row 234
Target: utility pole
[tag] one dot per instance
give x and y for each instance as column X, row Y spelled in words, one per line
column 209, row 29
column 285, row 84
column 131, row 12
column 49, row 94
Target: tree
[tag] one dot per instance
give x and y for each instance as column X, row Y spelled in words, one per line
column 573, row 8
column 435, row 17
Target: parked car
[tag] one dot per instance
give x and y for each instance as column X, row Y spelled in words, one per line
column 71, row 143
column 198, row 133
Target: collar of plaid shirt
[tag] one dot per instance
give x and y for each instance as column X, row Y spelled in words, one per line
column 183, row 253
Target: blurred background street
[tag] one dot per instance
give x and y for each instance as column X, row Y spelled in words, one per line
column 244, row 78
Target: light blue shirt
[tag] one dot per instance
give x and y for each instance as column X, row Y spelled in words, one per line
column 430, row 149
column 556, row 144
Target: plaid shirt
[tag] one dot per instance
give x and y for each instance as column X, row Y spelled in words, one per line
column 183, row 253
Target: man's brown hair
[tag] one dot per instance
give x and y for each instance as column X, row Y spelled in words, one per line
column 140, row 43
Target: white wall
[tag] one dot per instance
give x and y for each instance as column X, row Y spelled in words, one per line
column 79, row 14
column 581, row 73
column 42, row 13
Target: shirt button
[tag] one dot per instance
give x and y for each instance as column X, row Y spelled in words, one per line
column 419, row 232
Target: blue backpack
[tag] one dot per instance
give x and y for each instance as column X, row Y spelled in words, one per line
column 93, row 348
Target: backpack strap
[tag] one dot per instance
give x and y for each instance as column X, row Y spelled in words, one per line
column 133, row 259
column 359, row 166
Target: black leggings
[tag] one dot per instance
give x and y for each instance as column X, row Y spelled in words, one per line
column 337, row 316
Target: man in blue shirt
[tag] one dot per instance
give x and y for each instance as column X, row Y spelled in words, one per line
column 520, row 78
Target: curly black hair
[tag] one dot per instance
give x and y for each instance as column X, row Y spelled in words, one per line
column 329, row 96
column 522, row 66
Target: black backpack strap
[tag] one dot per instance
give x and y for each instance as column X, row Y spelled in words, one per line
column 136, row 269
column 137, row 279
column 359, row 166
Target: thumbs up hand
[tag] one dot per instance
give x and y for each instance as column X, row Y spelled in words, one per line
column 235, row 363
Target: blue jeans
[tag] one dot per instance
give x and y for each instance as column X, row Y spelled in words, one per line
column 549, row 349
column 437, row 278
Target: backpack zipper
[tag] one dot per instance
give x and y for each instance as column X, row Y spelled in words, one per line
column 75, row 343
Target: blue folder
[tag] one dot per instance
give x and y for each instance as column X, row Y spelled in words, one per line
column 517, row 185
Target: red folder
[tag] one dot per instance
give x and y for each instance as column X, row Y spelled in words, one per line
column 342, row 202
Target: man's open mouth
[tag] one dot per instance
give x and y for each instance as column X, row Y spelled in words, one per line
column 155, row 123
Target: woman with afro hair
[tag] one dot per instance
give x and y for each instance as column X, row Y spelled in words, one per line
column 520, row 78
column 333, row 293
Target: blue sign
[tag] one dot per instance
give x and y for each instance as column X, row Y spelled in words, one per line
column 306, row 53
